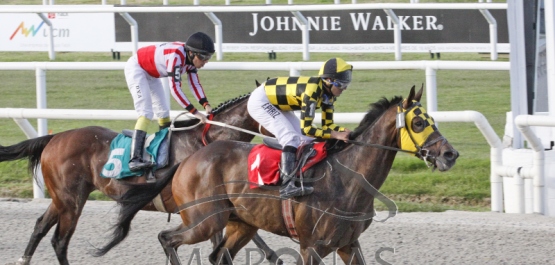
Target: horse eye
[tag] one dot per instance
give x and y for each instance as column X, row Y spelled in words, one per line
column 418, row 125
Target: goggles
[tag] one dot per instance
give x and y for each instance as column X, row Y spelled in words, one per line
column 203, row 56
column 340, row 84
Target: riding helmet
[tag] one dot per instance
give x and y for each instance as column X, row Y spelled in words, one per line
column 336, row 69
column 201, row 43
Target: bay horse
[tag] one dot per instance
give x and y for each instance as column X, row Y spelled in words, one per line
column 212, row 190
column 72, row 160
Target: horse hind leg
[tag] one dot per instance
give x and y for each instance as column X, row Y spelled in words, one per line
column 198, row 232
column 42, row 226
column 67, row 223
column 237, row 235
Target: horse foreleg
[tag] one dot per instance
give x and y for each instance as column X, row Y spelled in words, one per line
column 314, row 255
column 42, row 226
column 271, row 255
column 216, row 239
column 351, row 254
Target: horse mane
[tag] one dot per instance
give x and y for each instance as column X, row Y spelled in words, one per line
column 376, row 110
column 219, row 109
column 228, row 103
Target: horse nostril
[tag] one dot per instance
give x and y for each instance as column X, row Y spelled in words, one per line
column 451, row 155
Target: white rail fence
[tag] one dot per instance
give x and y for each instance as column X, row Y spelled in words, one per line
column 42, row 113
column 294, row 9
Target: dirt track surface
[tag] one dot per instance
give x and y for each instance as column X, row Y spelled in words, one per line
column 409, row 238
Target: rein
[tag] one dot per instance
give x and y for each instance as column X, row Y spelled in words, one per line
column 382, row 147
column 209, row 122
column 206, row 128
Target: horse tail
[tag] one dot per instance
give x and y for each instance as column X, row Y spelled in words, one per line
column 131, row 203
column 30, row 149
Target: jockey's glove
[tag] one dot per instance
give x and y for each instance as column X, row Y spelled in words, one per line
column 208, row 109
column 200, row 116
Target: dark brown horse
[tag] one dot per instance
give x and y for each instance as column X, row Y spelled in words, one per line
column 213, row 193
column 71, row 163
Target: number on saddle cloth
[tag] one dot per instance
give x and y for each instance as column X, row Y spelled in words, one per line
column 156, row 146
column 263, row 162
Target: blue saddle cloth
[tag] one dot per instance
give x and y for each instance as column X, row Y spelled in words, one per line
column 117, row 166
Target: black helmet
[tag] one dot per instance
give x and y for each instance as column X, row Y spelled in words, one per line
column 336, row 69
column 201, row 43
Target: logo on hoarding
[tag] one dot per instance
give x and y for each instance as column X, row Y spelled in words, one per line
column 360, row 21
column 26, row 31
column 64, row 33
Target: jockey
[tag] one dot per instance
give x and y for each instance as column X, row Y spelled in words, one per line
column 142, row 72
column 272, row 105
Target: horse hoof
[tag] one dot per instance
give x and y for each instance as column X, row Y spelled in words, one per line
column 23, row 261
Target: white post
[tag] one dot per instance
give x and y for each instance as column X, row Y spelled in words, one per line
column 305, row 32
column 396, row 33
column 165, row 2
column 40, row 76
column 549, row 9
column 268, row 2
column 431, row 89
column 496, row 180
column 218, row 32
column 134, row 30
column 294, row 71
column 492, row 32
column 42, row 125
column 51, row 53
column 519, row 104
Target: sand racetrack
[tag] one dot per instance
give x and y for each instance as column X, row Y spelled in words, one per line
column 451, row 237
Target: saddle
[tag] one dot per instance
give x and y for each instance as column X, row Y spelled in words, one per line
column 156, row 150
column 264, row 159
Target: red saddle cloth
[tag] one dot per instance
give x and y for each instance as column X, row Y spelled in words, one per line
column 264, row 164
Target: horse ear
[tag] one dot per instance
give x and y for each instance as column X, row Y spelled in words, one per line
column 257, row 83
column 418, row 95
column 408, row 101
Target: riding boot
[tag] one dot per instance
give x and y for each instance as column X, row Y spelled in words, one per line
column 288, row 188
column 137, row 145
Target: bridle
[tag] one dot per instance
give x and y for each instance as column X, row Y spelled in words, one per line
column 412, row 142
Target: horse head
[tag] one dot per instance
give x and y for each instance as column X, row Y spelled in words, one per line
column 419, row 135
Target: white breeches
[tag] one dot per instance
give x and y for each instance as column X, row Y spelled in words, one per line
column 148, row 93
column 283, row 124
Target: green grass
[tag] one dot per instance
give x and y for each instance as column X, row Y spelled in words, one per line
column 412, row 185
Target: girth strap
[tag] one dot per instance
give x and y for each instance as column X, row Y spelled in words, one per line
column 289, row 219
